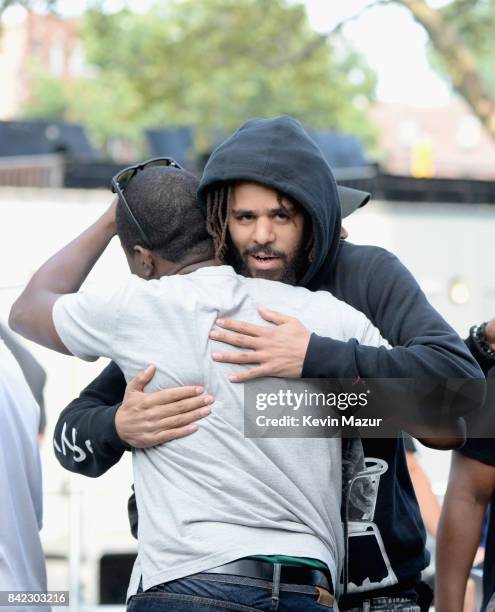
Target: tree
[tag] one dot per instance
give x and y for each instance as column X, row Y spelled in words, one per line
column 27, row 4
column 213, row 64
column 462, row 36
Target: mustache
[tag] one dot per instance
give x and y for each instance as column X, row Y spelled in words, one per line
column 267, row 251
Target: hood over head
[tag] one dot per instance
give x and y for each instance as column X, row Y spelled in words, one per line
column 278, row 153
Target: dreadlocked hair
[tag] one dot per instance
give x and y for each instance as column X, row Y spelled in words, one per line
column 217, row 212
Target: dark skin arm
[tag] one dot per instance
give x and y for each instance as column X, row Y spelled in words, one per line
column 65, row 272
column 471, row 485
column 453, row 435
column 143, row 419
column 427, row 500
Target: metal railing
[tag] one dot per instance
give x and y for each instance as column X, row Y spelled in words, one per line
column 32, row 171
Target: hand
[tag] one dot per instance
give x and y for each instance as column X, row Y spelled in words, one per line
column 279, row 351
column 490, row 333
column 148, row 419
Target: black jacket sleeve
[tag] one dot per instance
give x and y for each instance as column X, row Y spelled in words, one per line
column 375, row 282
column 85, row 438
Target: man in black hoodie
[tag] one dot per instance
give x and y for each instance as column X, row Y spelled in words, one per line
column 386, row 558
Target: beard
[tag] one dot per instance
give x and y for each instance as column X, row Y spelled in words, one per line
column 291, row 272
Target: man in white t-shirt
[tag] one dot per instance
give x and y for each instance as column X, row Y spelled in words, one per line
column 228, row 497
column 22, row 563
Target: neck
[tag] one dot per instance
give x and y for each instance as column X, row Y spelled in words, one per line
column 190, row 267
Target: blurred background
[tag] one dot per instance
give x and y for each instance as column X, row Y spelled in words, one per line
column 399, row 94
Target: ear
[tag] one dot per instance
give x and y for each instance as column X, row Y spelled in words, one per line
column 145, row 261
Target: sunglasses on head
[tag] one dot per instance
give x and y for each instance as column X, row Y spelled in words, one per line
column 122, row 179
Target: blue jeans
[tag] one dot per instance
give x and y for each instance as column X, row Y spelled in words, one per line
column 220, row 592
column 490, row 606
column 391, row 604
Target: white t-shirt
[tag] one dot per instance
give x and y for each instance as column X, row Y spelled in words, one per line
column 216, row 496
column 22, row 563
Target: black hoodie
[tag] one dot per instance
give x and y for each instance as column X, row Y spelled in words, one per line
column 278, row 153
column 390, row 554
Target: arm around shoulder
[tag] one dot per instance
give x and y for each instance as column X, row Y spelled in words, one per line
column 375, row 282
column 32, row 313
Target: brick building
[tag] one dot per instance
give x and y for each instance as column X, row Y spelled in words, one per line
column 445, row 141
column 29, row 43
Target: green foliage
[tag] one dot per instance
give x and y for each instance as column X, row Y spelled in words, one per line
column 27, row 4
column 49, row 98
column 92, row 102
column 474, row 22
column 213, row 64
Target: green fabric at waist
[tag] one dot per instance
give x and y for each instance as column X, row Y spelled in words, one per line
column 294, row 561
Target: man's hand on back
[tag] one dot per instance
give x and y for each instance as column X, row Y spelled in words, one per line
column 148, row 419
column 278, row 350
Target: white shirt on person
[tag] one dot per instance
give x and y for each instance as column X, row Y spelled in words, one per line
column 22, row 563
column 216, row 496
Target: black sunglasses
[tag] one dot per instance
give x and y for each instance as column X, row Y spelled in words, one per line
column 122, row 179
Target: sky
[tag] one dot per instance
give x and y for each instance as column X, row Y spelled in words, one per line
column 393, row 43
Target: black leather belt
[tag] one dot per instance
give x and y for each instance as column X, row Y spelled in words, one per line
column 263, row 570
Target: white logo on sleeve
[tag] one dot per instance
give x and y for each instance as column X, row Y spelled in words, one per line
column 78, row 453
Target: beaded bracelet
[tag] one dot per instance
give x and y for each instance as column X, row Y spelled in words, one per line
column 478, row 335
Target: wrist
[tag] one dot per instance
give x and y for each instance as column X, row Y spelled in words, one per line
column 108, row 225
column 114, row 436
column 490, row 333
column 482, row 341
column 108, row 221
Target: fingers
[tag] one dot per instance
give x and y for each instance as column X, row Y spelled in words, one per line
column 241, row 326
column 142, row 378
column 234, row 339
column 238, row 357
column 182, row 420
column 172, row 421
column 156, row 438
column 273, row 316
column 169, row 396
column 251, row 374
column 145, row 428
column 174, row 434
column 158, row 413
